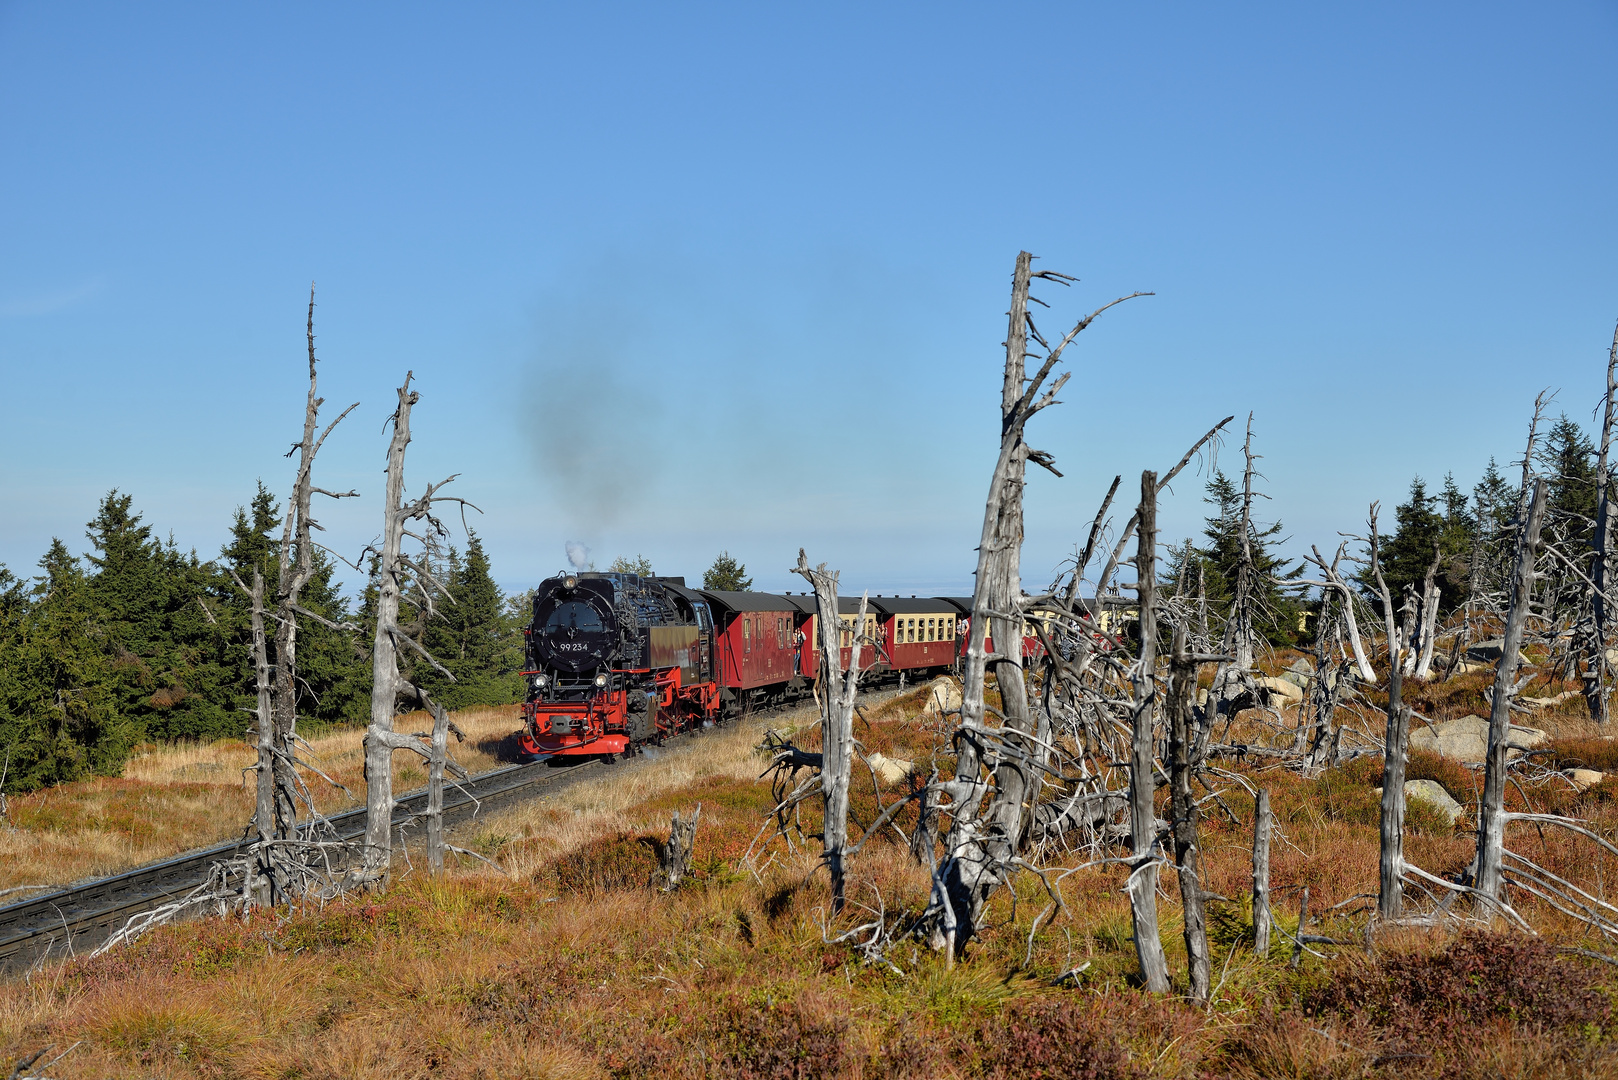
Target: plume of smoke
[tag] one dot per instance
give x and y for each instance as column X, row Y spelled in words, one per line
column 578, row 555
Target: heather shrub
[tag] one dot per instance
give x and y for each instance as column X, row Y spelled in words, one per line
column 1434, row 1004
column 609, row 863
column 1053, row 1039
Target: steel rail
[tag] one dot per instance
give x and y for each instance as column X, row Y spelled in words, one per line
column 82, row 916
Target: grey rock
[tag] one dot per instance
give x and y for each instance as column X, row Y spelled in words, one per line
column 1487, row 650
column 1467, row 738
column 1432, row 793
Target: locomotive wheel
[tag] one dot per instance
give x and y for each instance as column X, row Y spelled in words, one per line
column 610, row 759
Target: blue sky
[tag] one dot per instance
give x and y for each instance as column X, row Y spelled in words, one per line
column 681, row 278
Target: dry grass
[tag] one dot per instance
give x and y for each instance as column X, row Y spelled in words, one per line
column 572, row 967
column 175, row 798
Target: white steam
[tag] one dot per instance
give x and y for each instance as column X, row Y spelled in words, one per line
column 578, row 555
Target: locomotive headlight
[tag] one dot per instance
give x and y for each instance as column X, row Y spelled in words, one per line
column 570, row 582
column 538, row 682
column 601, row 680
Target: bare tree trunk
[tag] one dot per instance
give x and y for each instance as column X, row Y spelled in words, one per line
column 1424, row 622
column 1262, row 820
column 987, row 823
column 1239, row 633
column 435, row 790
column 675, row 861
column 387, row 687
column 1427, row 627
column 1142, row 784
column 262, row 891
column 1390, row 894
column 1491, row 831
column 1596, row 666
column 297, row 566
column 1362, row 665
column 836, row 719
column 1183, row 804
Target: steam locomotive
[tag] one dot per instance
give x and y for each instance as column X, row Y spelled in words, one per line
column 615, row 661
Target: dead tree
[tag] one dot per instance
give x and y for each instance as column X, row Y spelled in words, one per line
column 1262, row 821
column 260, row 888
column 674, row 861
column 1183, row 810
column 987, row 819
column 1391, row 865
column 1424, row 631
column 1334, row 581
column 391, row 690
column 297, row 566
column 1596, row 667
column 1491, row 830
column 1142, row 887
column 836, row 718
column 1234, row 676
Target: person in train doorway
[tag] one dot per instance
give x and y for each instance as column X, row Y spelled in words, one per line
column 797, row 651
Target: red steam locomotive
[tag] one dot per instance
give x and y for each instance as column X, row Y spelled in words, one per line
column 615, row 661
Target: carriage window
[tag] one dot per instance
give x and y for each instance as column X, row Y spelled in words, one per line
column 747, row 635
column 780, row 632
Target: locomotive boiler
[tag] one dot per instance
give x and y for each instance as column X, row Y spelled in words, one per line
column 615, row 661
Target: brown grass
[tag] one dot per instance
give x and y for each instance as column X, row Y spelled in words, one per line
column 175, row 798
column 572, row 966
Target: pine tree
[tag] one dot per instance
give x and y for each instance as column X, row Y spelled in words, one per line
column 726, row 575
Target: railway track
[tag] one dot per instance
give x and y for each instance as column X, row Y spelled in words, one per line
column 82, row 916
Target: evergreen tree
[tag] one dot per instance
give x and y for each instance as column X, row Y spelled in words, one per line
column 59, row 719
column 1568, row 459
column 163, row 644
column 640, row 565
column 474, row 637
column 726, row 575
column 1276, row 610
column 334, row 672
column 1426, row 525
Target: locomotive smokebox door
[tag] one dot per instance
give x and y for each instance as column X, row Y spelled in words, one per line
column 643, row 716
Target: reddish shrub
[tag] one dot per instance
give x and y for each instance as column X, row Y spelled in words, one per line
column 1423, row 1002
column 1598, row 754
column 1053, row 1039
column 611, row 863
column 779, row 1043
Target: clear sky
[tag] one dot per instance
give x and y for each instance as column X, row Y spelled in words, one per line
column 677, row 278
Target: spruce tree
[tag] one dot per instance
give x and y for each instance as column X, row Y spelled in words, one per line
column 163, row 644
column 474, row 637
column 333, row 671
column 623, row 564
column 1277, row 609
column 726, row 575
column 59, row 719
